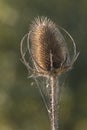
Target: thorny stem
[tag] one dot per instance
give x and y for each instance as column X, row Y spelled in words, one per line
column 54, row 103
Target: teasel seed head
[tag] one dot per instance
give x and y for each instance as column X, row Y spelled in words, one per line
column 47, row 48
column 47, row 44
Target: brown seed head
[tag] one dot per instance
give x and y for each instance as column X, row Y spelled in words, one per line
column 47, row 44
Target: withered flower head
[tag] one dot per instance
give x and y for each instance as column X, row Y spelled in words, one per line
column 48, row 49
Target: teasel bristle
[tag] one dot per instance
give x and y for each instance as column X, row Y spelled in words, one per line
column 47, row 44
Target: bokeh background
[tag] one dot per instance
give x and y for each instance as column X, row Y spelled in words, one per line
column 21, row 106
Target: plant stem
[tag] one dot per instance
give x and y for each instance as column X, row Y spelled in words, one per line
column 54, row 103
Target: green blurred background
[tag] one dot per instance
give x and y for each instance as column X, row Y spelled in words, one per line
column 21, row 106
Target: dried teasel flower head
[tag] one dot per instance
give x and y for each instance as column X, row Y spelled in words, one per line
column 47, row 48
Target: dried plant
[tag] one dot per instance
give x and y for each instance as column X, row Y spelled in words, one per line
column 46, row 55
